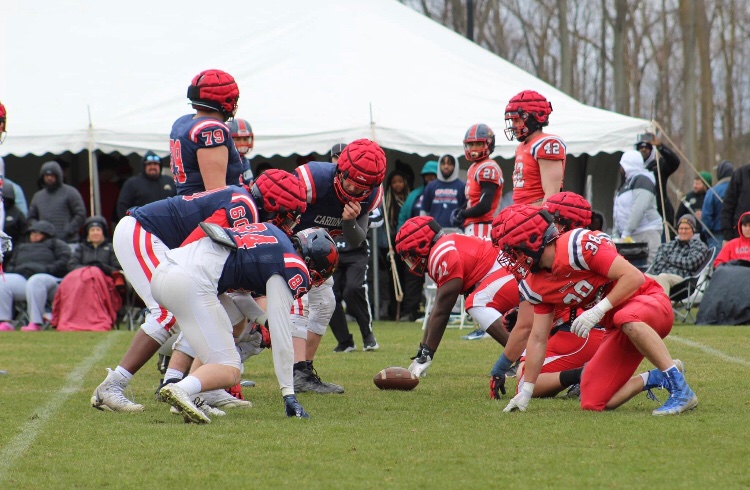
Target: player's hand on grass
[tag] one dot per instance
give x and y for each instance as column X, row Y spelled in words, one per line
column 421, row 361
column 522, row 399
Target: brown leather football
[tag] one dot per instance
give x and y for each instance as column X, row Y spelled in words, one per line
column 395, row 378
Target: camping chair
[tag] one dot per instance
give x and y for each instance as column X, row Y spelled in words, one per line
column 688, row 293
column 133, row 311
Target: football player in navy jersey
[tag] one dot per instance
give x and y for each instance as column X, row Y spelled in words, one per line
column 340, row 197
column 142, row 238
column 257, row 258
column 203, row 155
column 244, row 140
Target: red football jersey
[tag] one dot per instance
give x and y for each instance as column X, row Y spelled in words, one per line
column 484, row 171
column 578, row 277
column 477, row 259
column 527, row 180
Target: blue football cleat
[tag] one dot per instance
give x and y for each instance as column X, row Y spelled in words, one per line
column 293, row 407
column 681, row 397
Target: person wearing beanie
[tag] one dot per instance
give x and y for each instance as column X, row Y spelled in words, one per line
column 679, row 258
column 692, row 203
column 148, row 186
column 58, row 203
column 32, row 274
column 636, row 217
column 93, row 269
column 736, row 201
column 712, row 205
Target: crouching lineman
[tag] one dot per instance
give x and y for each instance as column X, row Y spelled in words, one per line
column 490, row 290
column 142, row 238
column 258, row 258
column 579, row 268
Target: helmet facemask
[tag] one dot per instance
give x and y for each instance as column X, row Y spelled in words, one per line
column 345, row 196
column 519, row 125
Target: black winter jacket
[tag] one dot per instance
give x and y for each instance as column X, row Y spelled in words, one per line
column 736, row 201
column 50, row 256
column 102, row 257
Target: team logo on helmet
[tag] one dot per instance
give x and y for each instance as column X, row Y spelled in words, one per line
column 280, row 197
column 415, row 240
column 483, row 134
column 360, row 170
column 569, row 210
column 242, row 134
column 215, row 90
column 525, row 113
column 319, row 253
column 521, row 232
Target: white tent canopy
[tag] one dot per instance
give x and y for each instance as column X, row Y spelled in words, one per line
column 311, row 74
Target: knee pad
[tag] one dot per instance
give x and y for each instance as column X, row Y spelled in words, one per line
column 299, row 326
column 181, row 345
column 157, row 332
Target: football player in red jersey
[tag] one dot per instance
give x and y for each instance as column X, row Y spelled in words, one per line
column 579, row 268
column 484, row 183
column 566, row 352
column 540, row 157
column 490, row 291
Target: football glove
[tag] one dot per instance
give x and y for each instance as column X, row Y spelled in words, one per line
column 583, row 324
column 457, row 218
column 421, row 362
column 293, row 408
column 522, row 399
column 497, row 386
column 510, row 318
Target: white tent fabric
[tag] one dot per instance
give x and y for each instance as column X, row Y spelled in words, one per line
column 114, row 75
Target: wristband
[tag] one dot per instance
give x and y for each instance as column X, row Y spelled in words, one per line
column 503, row 363
column 604, row 305
column 261, row 320
column 528, row 388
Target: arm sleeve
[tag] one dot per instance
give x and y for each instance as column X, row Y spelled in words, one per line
column 659, row 259
column 75, row 259
column 59, row 267
column 707, row 213
column 280, row 326
column 485, row 200
column 247, row 305
column 355, row 231
column 78, row 211
column 670, row 161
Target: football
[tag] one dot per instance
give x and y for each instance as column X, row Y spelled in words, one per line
column 395, row 378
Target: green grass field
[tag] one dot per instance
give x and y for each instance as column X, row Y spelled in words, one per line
column 444, row 434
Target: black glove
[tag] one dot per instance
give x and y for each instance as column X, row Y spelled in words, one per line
column 457, row 218
column 422, row 353
column 497, row 386
column 509, row 320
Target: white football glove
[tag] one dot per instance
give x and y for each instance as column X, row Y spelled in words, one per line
column 419, row 369
column 522, row 399
column 590, row 318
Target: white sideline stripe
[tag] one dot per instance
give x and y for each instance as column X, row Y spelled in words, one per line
column 29, row 431
column 710, row 350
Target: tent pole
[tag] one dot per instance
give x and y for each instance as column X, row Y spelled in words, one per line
column 94, row 198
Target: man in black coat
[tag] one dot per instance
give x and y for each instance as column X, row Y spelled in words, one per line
column 148, row 186
column 653, row 152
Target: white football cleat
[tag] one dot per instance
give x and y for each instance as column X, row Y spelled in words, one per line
column 109, row 396
column 222, row 399
column 178, row 398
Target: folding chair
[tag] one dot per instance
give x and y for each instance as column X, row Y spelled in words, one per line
column 133, row 311
column 688, row 293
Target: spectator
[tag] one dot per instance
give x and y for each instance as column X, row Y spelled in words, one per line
column 737, row 248
column 92, row 269
column 58, row 203
column 679, row 258
column 412, row 284
column 396, row 193
column 635, row 214
column 33, row 274
column 413, row 203
column 736, row 201
column 15, row 221
column 445, row 194
column 20, row 200
column 653, row 151
column 692, row 203
column 712, row 204
column 148, row 186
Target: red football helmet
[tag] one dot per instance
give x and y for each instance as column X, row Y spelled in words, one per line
column 3, row 122
column 569, row 210
column 415, row 240
column 526, row 112
column 483, row 134
column 280, row 197
column 361, row 169
column 319, row 252
column 215, row 90
column 242, row 134
column 521, row 232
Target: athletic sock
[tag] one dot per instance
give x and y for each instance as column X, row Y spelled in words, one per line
column 124, row 373
column 173, row 374
column 191, row 385
column 300, row 366
column 570, row 377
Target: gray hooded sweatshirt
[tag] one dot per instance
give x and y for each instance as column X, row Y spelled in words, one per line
column 59, row 203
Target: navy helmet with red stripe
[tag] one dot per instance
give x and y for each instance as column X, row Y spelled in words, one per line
column 483, row 134
column 319, row 252
column 242, row 134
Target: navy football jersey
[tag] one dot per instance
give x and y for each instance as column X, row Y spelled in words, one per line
column 190, row 134
column 262, row 251
column 174, row 219
column 324, row 209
